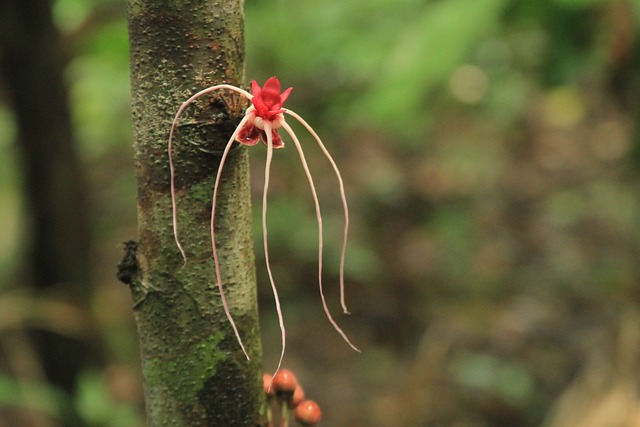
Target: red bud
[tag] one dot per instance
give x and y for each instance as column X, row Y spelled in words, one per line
column 308, row 413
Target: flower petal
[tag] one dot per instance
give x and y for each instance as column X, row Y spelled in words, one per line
column 255, row 88
column 249, row 135
column 284, row 95
column 276, row 141
column 267, row 99
column 270, row 94
column 261, row 108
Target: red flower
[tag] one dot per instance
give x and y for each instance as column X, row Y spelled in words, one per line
column 266, row 114
column 268, row 100
column 267, row 106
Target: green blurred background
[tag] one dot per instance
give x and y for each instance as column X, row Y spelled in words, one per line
column 491, row 159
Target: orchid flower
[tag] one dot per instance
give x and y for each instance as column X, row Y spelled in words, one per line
column 261, row 122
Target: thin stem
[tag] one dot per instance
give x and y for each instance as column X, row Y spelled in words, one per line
column 174, row 124
column 267, row 168
column 344, row 203
column 216, row 261
column 284, row 415
column 269, row 413
column 307, row 172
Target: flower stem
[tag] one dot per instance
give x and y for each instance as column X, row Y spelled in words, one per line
column 267, row 168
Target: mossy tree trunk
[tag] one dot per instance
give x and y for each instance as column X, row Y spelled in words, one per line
column 194, row 370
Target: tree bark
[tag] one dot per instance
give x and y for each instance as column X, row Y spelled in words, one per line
column 194, row 370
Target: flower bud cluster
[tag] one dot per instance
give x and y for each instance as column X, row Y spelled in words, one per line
column 283, row 389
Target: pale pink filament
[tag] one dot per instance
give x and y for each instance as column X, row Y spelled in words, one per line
column 215, row 191
column 320, row 239
column 170, row 150
column 267, row 168
column 342, row 196
column 216, row 260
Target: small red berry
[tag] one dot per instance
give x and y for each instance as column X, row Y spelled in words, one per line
column 284, row 383
column 308, row 413
column 266, row 385
column 296, row 398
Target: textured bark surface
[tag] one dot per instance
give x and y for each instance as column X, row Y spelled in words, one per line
column 194, row 369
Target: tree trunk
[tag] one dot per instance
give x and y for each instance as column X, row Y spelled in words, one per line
column 32, row 62
column 194, row 370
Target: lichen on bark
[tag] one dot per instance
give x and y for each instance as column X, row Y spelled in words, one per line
column 194, row 370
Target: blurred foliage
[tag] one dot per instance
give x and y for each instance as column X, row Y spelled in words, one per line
column 489, row 149
column 92, row 401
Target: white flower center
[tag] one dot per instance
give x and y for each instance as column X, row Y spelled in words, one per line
column 259, row 121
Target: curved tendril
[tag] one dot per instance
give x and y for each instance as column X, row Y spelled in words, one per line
column 268, row 131
column 216, row 261
column 344, row 203
column 174, row 207
column 174, row 124
column 319, row 217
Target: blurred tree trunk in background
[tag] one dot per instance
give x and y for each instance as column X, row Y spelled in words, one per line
column 32, row 65
column 194, row 370
column 32, row 62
